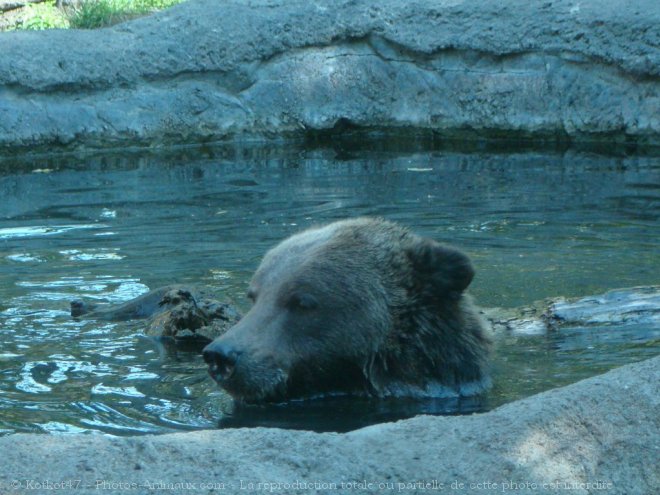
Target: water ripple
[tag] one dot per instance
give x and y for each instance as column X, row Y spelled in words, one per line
column 536, row 224
column 43, row 230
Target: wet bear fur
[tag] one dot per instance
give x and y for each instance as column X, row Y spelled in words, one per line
column 357, row 306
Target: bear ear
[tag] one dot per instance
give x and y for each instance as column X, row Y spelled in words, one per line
column 440, row 269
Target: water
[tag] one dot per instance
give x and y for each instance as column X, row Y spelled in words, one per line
column 536, row 223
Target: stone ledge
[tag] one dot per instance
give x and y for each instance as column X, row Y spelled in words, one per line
column 206, row 71
column 601, row 430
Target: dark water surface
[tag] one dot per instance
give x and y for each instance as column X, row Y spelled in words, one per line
column 537, row 224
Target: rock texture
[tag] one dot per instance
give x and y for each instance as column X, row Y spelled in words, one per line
column 600, row 435
column 208, row 70
column 637, row 307
column 183, row 313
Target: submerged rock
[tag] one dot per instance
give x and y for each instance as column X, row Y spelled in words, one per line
column 620, row 307
column 182, row 313
column 636, row 305
column 207, row 70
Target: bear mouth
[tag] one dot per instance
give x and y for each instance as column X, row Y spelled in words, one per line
column 221, row 372
column 268, row 385
column 276, row 395
column 254, row 381
column 302, row 382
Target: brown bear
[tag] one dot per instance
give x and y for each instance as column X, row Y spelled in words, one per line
column 357, row 306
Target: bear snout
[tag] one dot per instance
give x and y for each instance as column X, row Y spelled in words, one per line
column 221, row 358
column 246, row 375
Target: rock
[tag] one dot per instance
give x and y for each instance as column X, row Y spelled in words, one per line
column 207, row 70
column 619, row 307
column 144, row 306
column 182, row 313
column 636, row 305
column 188, row 312
column 597, row 435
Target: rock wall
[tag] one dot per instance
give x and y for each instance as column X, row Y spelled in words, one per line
column 208, row 70
column 596, row 436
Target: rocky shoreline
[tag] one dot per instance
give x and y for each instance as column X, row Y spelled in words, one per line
column 266, row 69
column 596, row 436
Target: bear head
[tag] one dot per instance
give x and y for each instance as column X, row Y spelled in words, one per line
column 357, row 306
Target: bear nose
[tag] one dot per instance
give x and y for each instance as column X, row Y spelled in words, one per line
column 221, row 358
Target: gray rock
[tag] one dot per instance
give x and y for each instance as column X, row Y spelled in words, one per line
column 182, row 313
column 208, row 70
column 632, row 307
column 636, row 305
column 599, row 435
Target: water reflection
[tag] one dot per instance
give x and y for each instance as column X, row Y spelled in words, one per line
column 343, row 414
column 537, row 224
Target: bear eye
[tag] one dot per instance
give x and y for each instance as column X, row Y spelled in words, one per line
column 252, row 295
column 302, row 301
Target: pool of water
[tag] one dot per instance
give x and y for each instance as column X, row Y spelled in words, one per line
column 536, row 223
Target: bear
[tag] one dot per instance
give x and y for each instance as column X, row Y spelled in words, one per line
column 184, row 314
column 359, row 306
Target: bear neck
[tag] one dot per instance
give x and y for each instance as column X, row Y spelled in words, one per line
column 434, row 349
